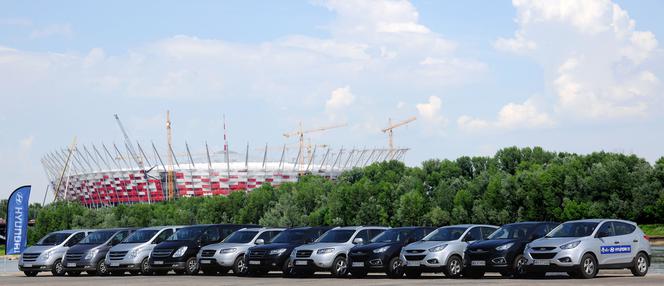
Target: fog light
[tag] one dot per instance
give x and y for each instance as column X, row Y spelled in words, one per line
column 376, row 262
column 432, row 261
column 499, row 260
column 565, row 260
column 274, row 264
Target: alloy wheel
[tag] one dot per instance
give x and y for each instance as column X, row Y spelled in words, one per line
column 642, row 264
column 589, row 266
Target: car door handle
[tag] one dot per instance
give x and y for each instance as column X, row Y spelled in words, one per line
column 616, row 242
column 635, row 240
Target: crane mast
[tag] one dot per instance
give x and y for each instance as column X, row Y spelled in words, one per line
column 169, row 167
column 390, row 129
column 300, row 134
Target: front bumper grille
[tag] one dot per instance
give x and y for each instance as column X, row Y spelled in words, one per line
column 303, row 253
column 73, row 256
column 208, row 253
column 257, row 253
column 547, row 255
column 30, row 257
column 414, row 257
column 117, row 255
column 161, row 252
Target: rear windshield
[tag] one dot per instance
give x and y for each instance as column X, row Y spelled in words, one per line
column 290, row 236
column 53, row 239
column 512, row 231
column 337, row 236
column 393, row 235
column 187, row 233
column 445, row 234
column 244, row 236
column 141, row 236
column 98, row 237
column 574, row 229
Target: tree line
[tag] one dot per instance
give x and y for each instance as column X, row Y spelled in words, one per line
column 516, row 184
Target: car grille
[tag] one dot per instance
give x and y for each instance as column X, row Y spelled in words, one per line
column 30, row 256
column 73, row 256
column 543, row 255
column 257, row 253
column 303, row 253
column 544, row 248
column 208, row 253
column 359, row 253
column 117, row 255
column 161, row 252
column 478, row 250
column 415, row 251
column 414, row 257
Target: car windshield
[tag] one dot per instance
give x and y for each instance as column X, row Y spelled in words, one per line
column 53, row 238
column 445, row 234
column 243, row 236
column 574, row 229
column 98, row 237
column 512, row 231
column 289, row 236
column 187, row 233
column 393, row 235
column 141, row 236
column 337, row 236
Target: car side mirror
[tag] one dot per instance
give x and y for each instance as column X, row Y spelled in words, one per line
column 358, row 240
column 260, row 241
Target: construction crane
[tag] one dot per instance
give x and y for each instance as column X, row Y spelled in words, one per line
column 390, row 129
column 72, row 147
column 134, row 155
column 300, row 134
column 169, row 172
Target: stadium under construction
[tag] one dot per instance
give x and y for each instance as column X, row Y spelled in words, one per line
column 105, row 175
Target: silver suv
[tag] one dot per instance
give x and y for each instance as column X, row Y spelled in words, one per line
column 442, row 250
column 48, row 252
column 132, row 253
column 582, row 247
column 330, row 251
column 229, row 254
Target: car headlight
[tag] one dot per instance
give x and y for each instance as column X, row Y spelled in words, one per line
column 325, row 250
column 505, row 246
column 438, row 248
column 180, row 252
column 381, row 250
column 46, row 254
column 134, row 253
column 278, row 251
column 570, row 245
column 91, row 254
column 227, row 250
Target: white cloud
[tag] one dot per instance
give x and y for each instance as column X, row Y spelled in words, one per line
column 62, row 30
column 510, row 116
column 593, row 58
column 339, row 99
column 431, row 111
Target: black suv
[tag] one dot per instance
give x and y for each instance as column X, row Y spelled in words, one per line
column 275, row 256
column 503, row 250
column 382, row 253
column 178, row 252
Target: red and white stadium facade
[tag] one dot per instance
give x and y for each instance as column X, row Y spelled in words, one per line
column 96, row 176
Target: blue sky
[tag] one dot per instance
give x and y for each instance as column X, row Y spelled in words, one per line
column 576, row 76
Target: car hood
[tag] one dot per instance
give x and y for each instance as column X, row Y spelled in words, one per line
column 40, row 248
column 375, row 245
column 488, row 244
column 174, row 244
column 218, row 246
column 320, row 245
column 552, row 242
column 81, row 248
column 423, row 244
column 126, row 246
column 272, row 246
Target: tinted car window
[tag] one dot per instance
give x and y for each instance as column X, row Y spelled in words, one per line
column 393, row 235
column 266, row 236
column 486, row 231
column 141, row 236
column 446, row 234
column 288, row 236
column 540, row 231
column 606, row 230
column 242, row 236
column 163, row 235
column 364, row 235
column 623, row 228
column 573, row 229
column 98, row 237
column 76, row 239
column 53, row 239
column 512, row 231
column 187, row 233
column 374, row 232
column 337, row 236
column 473, row 234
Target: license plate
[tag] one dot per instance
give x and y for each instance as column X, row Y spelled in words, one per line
column 27, row 265
column 115, row 264
column 478, row 263
column 254, row 262
column 206, row 261
column 71, row 264
column 301, row 262
column 541, row 262
column 358, row 264
column 413, row 263
column 158, row 262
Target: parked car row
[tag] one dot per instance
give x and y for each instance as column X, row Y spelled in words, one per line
column 525, row 249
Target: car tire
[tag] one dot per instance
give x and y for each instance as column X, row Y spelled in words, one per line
column 240, row 266
column 473, row 274
column 101, row 269
column 413, row 273
column 74, row 273
column 518, row 270
column 287, row 270
column 31, row 273
column 395, row 269
column 339, row 267
column 587, row 269
column 640, row 265
column 145, row 267
column 453, row 267
column 191, row 266
column 58, row 269
column 358, row 274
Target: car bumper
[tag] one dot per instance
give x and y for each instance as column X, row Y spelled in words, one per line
column 34, row 267
column 167, row 263
column 490, row 261
column 426, row 261
column 275, row 263
column 554, row 260
column 125, row 264
column 314, row 262
column 220, row 260
column 79, row 265
column 371, row 262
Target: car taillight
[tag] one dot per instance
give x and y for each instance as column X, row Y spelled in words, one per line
column 646, row 237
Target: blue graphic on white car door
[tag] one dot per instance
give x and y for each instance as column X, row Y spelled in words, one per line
column 615, row 249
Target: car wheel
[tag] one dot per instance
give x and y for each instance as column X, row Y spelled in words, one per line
column 518, row 266
column 30, row 273
column 288, row 270
column 191, row 266
column 413, row 273
column 58, row 269
column 454, row 267
column 101, row 268
column 74, row 273
column 588, row 267
column 395, row 269
column 145, row 267
column 240, row 266
column 640, row 265
column 358, row 274
column 339, row 267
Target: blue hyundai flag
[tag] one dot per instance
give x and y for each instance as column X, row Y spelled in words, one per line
column 17, row 220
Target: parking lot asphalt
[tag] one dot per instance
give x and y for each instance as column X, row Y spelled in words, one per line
column 604, row 279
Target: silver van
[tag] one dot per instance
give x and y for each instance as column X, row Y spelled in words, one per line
column 48, row 252
column 132, row 253
column 582, row 247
